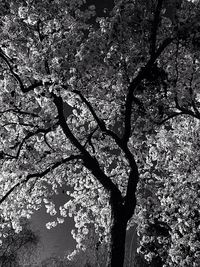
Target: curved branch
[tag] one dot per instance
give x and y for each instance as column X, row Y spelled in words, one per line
column 89, row 162
column 173, row 115
column 40, row 174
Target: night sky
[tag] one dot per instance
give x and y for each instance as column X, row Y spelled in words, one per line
column 59, row 240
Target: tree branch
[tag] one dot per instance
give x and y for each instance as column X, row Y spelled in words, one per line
column 89, row 162
column 59, row 105
column 135, row 83
column 30, row 134
column 135, row 176
column 155, row 25
column 184, row 110
column 130, row 198
column 89, row 140
column 173, row 115
column 99, row 121
column 39, row 174
column 16, row 76
column 19, row 112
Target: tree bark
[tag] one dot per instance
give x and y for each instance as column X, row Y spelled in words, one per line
column 118, row 236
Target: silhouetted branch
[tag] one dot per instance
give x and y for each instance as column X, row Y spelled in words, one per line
column 173, row 115
column 19, row 112
column 17, row 77
column 29, row 135
column 89, row 161
column 155, row 25
column 89, row 139
column 40, row 174
column 136, row 82
column 99, row 121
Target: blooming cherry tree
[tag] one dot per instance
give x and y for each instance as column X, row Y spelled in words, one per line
column 83, row 105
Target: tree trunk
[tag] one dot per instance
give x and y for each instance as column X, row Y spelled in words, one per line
column 118, row 237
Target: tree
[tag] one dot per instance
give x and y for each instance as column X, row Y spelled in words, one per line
column 79, row 102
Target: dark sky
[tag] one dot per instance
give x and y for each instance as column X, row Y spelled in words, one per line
column 58, row 240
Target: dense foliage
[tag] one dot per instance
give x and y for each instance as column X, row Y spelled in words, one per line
column 93, row 106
